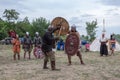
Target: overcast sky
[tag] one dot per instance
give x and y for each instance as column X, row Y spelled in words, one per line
column 76, row 12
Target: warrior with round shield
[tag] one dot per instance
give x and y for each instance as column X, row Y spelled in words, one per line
column 37, row 40
column 72, row 45
column 27, row 45
column 47, row 46
column 37, row 45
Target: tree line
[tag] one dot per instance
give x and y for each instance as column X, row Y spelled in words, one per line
column 10, row 21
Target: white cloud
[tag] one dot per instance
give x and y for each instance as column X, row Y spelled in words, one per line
column 74, row 11
column 111, row 2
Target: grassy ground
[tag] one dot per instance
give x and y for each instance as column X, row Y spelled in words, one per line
column 96, row 68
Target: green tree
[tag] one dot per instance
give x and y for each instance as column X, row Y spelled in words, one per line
column 91, row 30
column 83, row 37
column 10, row 15
column 23, row 26
column 3, row 32
column 117, row 37
column 40, row 25
column 11, row 22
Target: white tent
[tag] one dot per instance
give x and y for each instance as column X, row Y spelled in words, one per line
column 95, row 45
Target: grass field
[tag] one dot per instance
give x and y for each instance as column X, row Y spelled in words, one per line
column 96, row 68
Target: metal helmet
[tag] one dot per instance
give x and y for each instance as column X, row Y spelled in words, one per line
column 37, row 33
column 50, row 28
column 27, row 33
column 73, row 28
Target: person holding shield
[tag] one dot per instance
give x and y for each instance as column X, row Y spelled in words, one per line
column 71, row 46
column 27, row 45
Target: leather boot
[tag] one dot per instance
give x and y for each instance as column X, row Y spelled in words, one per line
column 82, row 62
column 53, row 66
column 18, row 56
column 80, row 57
column 14, row 56
column 45, row 65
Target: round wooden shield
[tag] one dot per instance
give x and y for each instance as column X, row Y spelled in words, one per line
column 38, row 53
column 72, row 44
column 59, row 21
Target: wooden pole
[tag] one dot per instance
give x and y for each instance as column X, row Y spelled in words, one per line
column 104, row 25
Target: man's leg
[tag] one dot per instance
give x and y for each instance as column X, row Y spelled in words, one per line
column 52, row 59
column 45, row 61
column 25, row 55
column 69, row 60
column 18, row 56
column 112, row 52
column 14, row 56
column 29, row 53
column 80, row 57
column 25, row 51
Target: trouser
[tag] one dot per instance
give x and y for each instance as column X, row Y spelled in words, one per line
column 14, row 56
column 79, row 56
column 49, row 55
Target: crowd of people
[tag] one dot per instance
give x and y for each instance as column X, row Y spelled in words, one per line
column 44, row 47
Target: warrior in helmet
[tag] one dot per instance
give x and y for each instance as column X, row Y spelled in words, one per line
column 27, row 45
column 47, row 46
column 37, row 44
column 73, row 30
column 37, row 40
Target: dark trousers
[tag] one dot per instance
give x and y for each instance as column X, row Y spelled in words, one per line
column 103, row 50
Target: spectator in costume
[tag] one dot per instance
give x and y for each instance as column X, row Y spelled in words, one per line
column 103, row 46
column 112, row 43
column 16, row 47
column 87, row 46
column 60, row 45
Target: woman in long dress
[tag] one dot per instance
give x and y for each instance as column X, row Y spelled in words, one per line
column 103, row 46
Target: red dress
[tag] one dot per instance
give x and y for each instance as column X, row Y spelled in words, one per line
column 16, row 45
